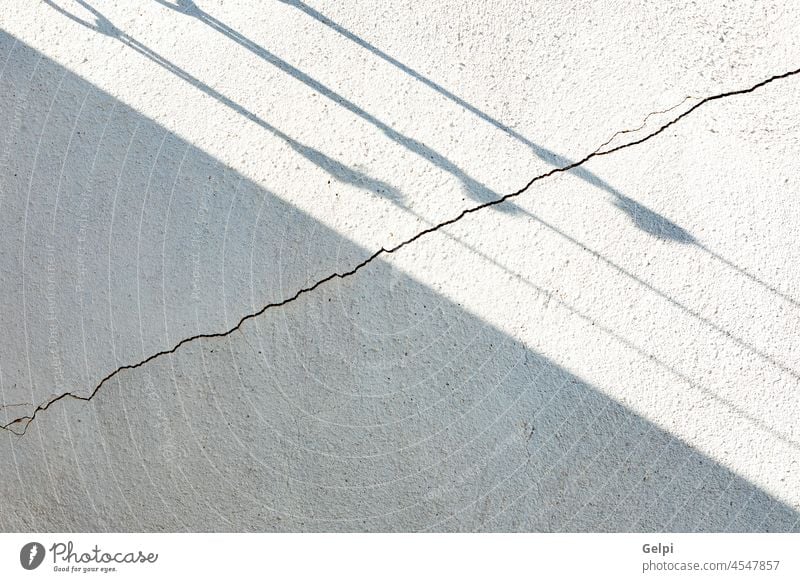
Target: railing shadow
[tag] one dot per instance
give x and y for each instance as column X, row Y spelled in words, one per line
column 641, row 216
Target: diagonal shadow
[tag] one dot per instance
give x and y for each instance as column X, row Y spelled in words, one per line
column 372, row 404
column 345, row 174
column 641, row 216
column 473, row 187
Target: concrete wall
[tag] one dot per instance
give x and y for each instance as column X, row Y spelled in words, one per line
column 613, row 349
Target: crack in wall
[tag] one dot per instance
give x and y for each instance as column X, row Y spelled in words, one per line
column 25, row 421
column 644, row 121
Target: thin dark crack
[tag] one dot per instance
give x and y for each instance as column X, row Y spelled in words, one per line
column 644, row 122
column 25, row 421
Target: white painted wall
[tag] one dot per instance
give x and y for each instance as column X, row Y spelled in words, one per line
column 614, row 349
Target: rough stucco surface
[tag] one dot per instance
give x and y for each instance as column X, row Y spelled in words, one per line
column 613, row 349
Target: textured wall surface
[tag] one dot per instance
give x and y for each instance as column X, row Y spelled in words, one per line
column 400, row 266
